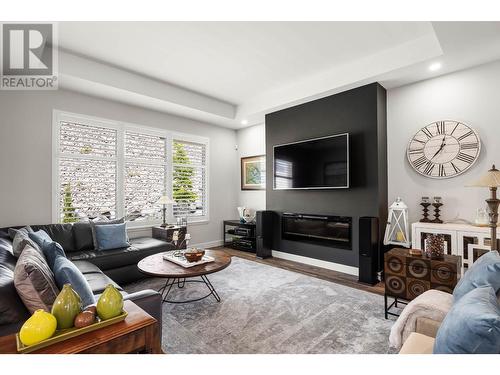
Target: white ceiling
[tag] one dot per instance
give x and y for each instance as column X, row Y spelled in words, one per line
column 224, row 72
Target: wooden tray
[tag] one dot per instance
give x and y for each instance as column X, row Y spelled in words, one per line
column 66, row 334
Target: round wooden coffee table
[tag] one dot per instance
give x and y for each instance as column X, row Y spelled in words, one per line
column 155, row 265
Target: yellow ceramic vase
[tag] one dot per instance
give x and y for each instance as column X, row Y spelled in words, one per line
column 110, row 303
column 39, row 327
column 66, row 307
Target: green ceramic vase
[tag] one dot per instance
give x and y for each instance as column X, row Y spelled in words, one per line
column 110, row 303
column 66, row 307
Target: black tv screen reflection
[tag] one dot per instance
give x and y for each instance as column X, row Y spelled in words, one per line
column 320, row 163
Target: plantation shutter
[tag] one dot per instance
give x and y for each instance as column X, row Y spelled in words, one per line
column 145, row 164
column 87, row 172
column 189, row 179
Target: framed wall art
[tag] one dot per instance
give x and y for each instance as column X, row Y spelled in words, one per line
column 253, row 173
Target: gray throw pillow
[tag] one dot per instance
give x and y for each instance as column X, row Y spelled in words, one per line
column 93, row 224
column 472, row 326
column 12, row 233
column 21, row 239
column 34, row 281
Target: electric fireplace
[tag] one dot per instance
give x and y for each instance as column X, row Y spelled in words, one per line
column 334, row 231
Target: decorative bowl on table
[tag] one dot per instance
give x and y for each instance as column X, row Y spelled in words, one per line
column 194, row 254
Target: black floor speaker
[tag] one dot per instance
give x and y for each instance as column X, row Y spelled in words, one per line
column 369, row 248
column 264, row 233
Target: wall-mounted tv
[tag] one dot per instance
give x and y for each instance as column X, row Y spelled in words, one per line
column 319, row 163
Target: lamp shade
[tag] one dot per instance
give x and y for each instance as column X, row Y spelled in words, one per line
column 164, row 199
column 490, row 179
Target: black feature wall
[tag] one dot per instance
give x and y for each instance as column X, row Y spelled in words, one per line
column 361, row 112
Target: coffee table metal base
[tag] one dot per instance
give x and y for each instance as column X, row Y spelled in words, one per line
column 181, row 282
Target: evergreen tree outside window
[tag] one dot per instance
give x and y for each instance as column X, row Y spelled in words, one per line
column 188, row 181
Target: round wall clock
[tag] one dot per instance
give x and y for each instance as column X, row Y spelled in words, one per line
column 443, row 149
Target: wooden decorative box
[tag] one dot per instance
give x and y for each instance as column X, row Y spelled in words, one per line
column 407, row 276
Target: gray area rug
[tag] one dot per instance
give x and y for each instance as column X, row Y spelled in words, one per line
column 265, row 309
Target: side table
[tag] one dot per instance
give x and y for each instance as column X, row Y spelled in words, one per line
column 407, row 276
column 138, row 333
column 166, row 234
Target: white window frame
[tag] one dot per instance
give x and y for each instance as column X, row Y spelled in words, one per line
column 121, row 127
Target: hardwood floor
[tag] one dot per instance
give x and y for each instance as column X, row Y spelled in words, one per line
column 318, row 272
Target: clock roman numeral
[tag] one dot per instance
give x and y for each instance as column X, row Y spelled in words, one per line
column 416, row 151
column 469, row 146
column 455, row 128
column 457, row 170
column 465, row 135
column 442, row 172
column 465, row 158
column 419, row 162
column 440, row 127
column 419, row 141
column 429, row 167
column 427, row 133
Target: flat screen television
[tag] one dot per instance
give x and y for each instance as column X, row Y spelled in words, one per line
column 319, row 163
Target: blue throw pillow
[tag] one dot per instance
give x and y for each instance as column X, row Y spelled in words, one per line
column 66, row 272
column 39, row 237
column 483, row 272
column 111, row 236
column 472, row 326
column 51, row 250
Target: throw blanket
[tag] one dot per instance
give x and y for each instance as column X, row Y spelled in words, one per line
column 432, row 304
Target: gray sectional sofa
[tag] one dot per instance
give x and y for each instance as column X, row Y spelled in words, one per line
column 100, row 268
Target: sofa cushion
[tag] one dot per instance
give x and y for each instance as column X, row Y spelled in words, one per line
column 67, row 273
column 61, row 233
column 12, row 308
column 34, row 281
column 83, row 236
column 99, row 281
column 12, row 233
column 472, row 326
column 113, row 236
column 109, row 259
column 417, row 343
column 51, row 250
column 21, row 239
column 483, row 272
column 39, row 237
column 93, row 224
column 148, row 243
column 86, row 267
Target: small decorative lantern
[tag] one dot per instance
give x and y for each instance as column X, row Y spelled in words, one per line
column 397, row 230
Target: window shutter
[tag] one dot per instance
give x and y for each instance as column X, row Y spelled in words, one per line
column 78, row 139
column 105, row 169
column 189, row 180
column 145, row 163
column 87, row 172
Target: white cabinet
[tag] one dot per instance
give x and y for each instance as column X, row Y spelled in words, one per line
column 468, row 241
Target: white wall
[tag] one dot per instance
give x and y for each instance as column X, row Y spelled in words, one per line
column 251, row 141
column 26, row 154
column 471, row 96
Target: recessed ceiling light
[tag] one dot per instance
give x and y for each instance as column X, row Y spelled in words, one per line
column 244, row 122
column 435, row 66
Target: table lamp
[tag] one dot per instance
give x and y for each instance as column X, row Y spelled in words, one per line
column 491, row 180
column 164, row 200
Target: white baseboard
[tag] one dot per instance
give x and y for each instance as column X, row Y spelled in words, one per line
column 317, row 263
column 208, row 244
